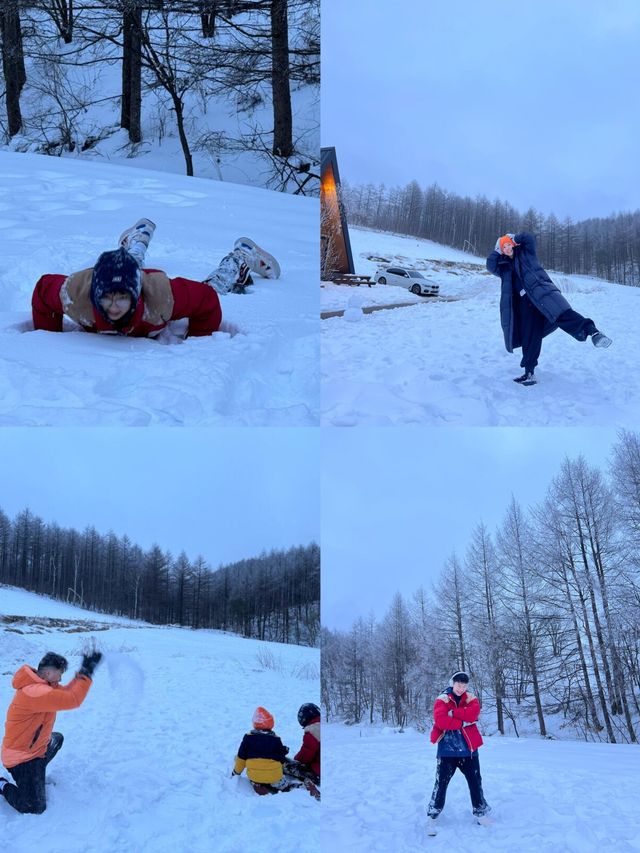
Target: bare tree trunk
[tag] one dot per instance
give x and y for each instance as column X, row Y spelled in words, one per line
column 282, row 119
column 12, row 65
column 130, row 115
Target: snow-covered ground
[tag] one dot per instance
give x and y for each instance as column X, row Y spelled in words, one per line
column 551, row 796
column 147, row 758
column 58, row 215
column 443, row 362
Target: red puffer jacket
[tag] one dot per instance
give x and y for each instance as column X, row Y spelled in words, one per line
column 193, row 300
column 449, row 716
column 309, row 753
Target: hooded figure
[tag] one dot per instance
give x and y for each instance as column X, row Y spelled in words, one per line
column 531, row 306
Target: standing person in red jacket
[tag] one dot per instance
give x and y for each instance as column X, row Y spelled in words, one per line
column 29, row 742
column 455, row 714
column 306, row 762
column 117, row 296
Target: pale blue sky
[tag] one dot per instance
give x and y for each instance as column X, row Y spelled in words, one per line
column 534, row 103
column 224, row 493
column 397, row 502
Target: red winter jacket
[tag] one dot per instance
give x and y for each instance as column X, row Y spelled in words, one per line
column 463, row 716
column 194, row 300
column 309, row 753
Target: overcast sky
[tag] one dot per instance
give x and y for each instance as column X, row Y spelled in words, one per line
column 224, row 493
column 533, row 103
column 397, row 502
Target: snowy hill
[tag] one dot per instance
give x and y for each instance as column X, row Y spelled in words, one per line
column 555, row 796
column 59, row 215
column 443, row 362
column 147, row 758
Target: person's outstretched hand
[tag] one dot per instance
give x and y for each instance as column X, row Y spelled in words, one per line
column 89, row 663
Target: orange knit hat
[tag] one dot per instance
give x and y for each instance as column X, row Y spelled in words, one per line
column 506, row 241
column 262, row 719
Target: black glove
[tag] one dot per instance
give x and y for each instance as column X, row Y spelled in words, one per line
column 89, row 663
column 286, row 750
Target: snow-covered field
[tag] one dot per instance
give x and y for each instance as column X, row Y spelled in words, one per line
column 551, row 796
column 58, row 215
column 443, row 363
column 147, row 758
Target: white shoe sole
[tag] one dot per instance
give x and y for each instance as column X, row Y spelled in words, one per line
column 259, row 261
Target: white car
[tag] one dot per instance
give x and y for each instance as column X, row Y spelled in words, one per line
column 413, row 280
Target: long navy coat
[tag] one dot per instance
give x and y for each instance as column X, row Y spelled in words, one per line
column 542, row 292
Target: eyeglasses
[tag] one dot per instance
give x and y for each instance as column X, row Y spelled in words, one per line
column 116, row 300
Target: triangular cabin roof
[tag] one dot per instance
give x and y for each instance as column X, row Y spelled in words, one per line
column 334, row 230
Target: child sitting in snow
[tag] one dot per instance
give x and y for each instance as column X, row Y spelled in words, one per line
column 262, row 753
column 117, row 296
column 306, row 762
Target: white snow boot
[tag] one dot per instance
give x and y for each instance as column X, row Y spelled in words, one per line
column 483, row 820
column 432, row 828
column 137, row 238
column 259, row 261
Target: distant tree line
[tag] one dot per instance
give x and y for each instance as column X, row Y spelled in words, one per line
column 274, row 596
column 544, row 615
column 183, row 51
column 607, row 247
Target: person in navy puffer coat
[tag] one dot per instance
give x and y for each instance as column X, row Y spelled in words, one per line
column 531, row 306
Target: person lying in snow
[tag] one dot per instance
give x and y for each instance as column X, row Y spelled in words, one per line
column 531, row 306
column 117, row 296
column 30, row 743
column 455, row 714
column 306, row 762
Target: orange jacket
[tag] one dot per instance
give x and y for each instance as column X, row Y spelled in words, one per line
column 32, row 713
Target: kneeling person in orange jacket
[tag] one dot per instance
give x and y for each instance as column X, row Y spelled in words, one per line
column 29, row 742
column 455, row 715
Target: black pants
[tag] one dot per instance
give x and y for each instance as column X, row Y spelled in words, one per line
column 532, row 323
column 445, row 768
column 28, row 795
column 300, row 771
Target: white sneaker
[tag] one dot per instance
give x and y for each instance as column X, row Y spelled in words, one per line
column 432, row 828
column 259, row 261
column 137, row 238
column 483, row 820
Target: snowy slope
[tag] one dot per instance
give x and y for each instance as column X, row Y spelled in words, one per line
column 555, row 796
column 146, row 763
column 444, row 362
column 58, row 215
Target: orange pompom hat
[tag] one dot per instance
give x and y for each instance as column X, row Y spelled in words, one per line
column 262, row 719
column 506, row 241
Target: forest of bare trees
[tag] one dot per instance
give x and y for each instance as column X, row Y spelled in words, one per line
column 544, row 613
column 186, row 53
column 274, row 596
column 607, row 247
